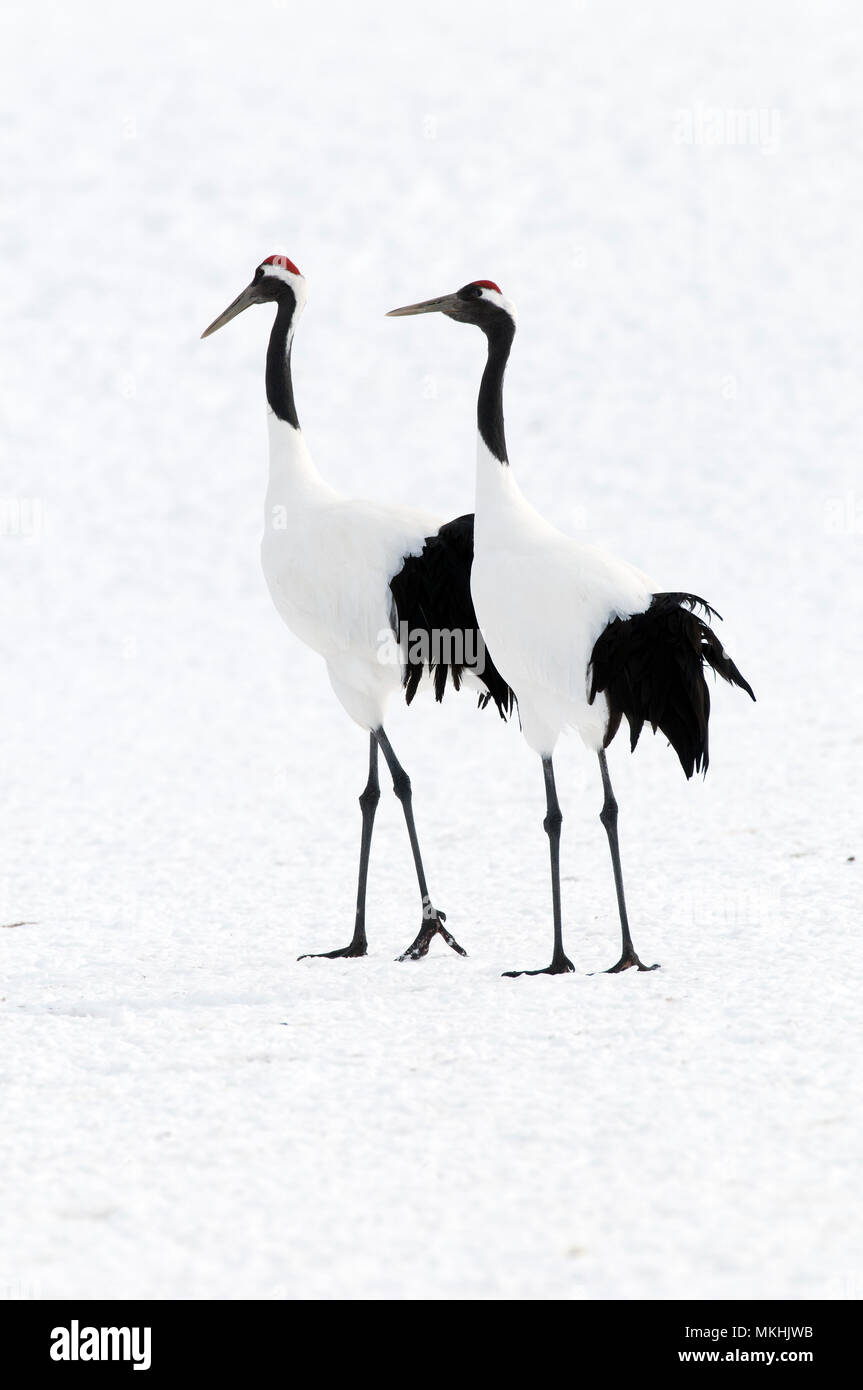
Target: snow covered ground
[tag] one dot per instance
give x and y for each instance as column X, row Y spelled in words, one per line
column 186, row 1110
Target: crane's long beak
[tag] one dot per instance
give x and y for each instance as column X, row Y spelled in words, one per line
column 444, row 305
column 242, row 301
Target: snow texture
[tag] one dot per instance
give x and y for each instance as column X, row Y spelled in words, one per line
column 189, row 1112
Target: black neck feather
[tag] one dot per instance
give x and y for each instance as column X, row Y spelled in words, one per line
column 489, row 408
column 280, row 388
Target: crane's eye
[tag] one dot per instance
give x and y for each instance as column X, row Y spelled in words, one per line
column 477, row 291
column 259, row 272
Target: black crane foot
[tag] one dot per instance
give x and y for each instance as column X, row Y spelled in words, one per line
column 564, row 966
column 431, row 927
column 351, row 952
column 626, row 962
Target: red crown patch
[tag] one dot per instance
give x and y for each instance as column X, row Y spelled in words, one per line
column 282, row 262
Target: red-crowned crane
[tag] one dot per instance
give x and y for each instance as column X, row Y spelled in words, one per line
column 581, row 637
column 345, row 574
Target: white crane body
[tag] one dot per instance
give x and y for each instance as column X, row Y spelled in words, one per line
column 328, row 561
column 576, row 588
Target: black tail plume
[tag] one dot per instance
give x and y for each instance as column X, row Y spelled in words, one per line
column 651, row 668
column 431, row 592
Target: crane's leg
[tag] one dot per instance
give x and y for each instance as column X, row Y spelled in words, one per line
column 368, row 805
column 560, row 964
column 608, row 816
column 433, row 917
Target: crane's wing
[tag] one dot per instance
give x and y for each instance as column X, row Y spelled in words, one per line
column 431, row 593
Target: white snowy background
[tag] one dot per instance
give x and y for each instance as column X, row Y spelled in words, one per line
column 186, row 1110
